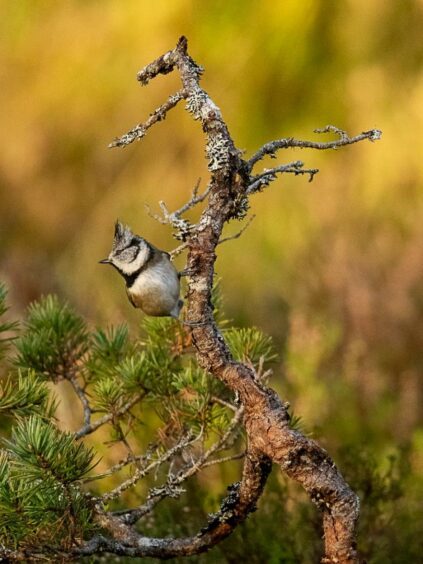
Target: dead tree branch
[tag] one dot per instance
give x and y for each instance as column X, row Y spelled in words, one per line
column 141, row 129
column 266, row 420
column 240, row 232
column 240, row 501
column 182, row 227
column 172, row 487
column 269, row 175
column 289, row 142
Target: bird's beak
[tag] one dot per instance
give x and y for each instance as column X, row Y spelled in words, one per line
column 104, row 261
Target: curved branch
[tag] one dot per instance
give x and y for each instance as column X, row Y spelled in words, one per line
column 269, row 174
column 90, row 427
column 241, row 501
column 289, row 142
column 266, row 419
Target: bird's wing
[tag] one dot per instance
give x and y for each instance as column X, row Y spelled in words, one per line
column 130, row 298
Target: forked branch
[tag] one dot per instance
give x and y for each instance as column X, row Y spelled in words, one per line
column 289, row 142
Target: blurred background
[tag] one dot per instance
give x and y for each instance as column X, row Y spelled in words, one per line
column 332, row 270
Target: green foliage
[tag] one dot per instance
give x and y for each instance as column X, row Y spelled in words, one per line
column 25, row 395
column 5, row 326
column 250, row 345
column 40, row 500
column 40, row 451
column 55, row 339
column 191, row 402
column 109, row 348
column 135, row 372
column 109, row 394
column 42, row 468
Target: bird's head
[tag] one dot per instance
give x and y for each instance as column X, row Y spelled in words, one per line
column 129, row 252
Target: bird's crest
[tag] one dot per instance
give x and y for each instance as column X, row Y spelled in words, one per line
column 123, row 236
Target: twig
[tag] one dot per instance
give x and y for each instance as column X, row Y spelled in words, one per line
column 268, row 175
column 173, row 254
column 83, row 399
column 182, row 226
column 221, row 401
column 194, row 200
column 87, row 429
column 171, row 487
column 141, row 129
column 224, row 459
column 262, row 375
column 142, row 472
column 237, row 235
column 130, row 459
column 273, row 146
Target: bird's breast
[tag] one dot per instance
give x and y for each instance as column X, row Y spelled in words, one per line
column 156, row 289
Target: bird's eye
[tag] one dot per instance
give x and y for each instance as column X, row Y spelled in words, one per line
column 129, row 254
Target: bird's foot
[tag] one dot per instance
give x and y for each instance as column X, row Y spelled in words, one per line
column 186, row 272
column 195, row 323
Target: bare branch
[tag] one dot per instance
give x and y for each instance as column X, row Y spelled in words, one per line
column 176, row 252
column 141, row 129
column 269, row 174
column 173, row 218
column 87, row 429
column 172, row 486
column 194, row 200
column 240, row 501
column 224, row 459
column 80, row 392
column 237, row 235
column 130, row 459
column 273, row 146
column 140, row 473
column 166, row 63
column 182, row 226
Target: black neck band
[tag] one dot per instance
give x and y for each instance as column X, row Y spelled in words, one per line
column 130, row 278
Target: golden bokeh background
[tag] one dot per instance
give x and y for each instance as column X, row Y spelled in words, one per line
column 333, row 270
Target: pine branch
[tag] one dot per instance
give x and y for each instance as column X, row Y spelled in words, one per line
column 240, row 501
column 172, row 486
column 266, row 417
column 87, row 429
column 140, row 473
column 27, row 396
column 83, row 398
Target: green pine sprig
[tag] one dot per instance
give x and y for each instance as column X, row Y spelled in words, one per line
column 5, row 326
column 55, row 340
column 26, row 395
column 250, row 345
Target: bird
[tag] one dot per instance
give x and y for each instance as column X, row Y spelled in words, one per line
column 152, row 281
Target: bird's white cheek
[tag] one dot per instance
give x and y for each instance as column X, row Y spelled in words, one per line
column 131, row 267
